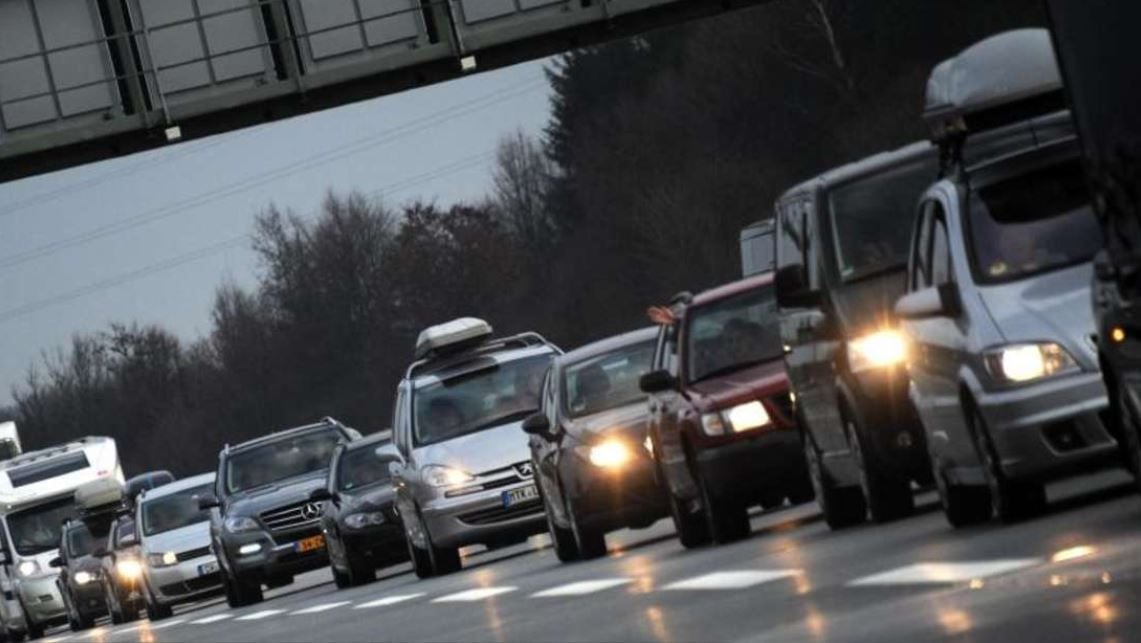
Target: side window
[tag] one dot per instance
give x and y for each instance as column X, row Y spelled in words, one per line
column 790, row 236
column 551, row 399
column 940, row 252
column 920, row 268
column 808, row 251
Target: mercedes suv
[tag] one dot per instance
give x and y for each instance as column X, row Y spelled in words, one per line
column 265, row 529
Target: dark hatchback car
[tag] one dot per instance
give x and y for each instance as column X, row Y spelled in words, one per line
column 721, row 419
column 363, row 532
column 266, row 529
column 122, row 570
column 80, row 576
column 588, row 445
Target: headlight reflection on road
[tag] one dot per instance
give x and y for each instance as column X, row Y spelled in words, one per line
column 658, row 624
column 1098, row 607
column 1072, row 553
column 640, row 569
column 954, row 621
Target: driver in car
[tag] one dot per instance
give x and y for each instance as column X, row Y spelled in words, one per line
column 444, row 417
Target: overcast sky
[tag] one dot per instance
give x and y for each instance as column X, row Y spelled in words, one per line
column 149, row 237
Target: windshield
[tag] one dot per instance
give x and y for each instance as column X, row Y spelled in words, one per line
column 871, row 218
column 170, row 512
column 607, row 381
column 294, row 456
column 37, row 529
column 125, row 528
column 80, row 542
column 479, row 399
column 732, row 334
column 1033, row 223
column 360, row 468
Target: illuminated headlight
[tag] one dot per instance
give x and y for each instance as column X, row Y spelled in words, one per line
column 441, row 476
column 28, row 568
column 609, row 454
column 367, row 519
column 128, row 569
column 165, row 559
column 83, row 578
column 1026, row 362
column 239, row 524
column 738, row 419
column 878, row 350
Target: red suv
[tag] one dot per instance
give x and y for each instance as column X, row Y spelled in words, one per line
column 722, row 427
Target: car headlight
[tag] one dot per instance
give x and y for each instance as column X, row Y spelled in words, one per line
column 366, row 519
column 28, row 568
column 239, row 524
column 84, row 577
column 128, row 569
column 165, row 559
column 1027, row 362
column 738, row 419
column 877, row 350
column 441, row 476
column 609, row 454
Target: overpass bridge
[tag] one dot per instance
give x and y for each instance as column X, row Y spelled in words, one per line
column 85, row 80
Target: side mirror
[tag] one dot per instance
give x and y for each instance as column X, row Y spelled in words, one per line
column 657, row 382
column 940, row 301
column 128, row 541
column 322, row 494
column 792, row 288
column 208, row 501
column 537, row 424
column 387, row 454
column 55, row 562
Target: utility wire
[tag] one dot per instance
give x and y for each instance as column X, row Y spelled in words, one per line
column 387, row 136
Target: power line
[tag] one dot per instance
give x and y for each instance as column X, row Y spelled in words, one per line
column 387, row 136
column 457, row 166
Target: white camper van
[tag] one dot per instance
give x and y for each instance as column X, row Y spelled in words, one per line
column 37, row 493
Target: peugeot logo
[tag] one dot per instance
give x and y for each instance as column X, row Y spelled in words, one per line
column 524, row 470
column 311, row 511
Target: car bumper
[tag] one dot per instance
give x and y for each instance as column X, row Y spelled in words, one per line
column 751, row 468
column 614, row 498
column 481, row 517
column 278, row 556
column 90, row 598
column 1050, row 429
column 184, row 581
column 41, row 600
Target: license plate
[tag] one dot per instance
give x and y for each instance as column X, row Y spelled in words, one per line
column 205, row 569
column 522, row 494
column 309, row 544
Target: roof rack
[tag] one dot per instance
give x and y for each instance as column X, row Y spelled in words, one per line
column 436, row 362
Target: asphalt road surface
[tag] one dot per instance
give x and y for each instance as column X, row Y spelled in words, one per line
column 1073, row 574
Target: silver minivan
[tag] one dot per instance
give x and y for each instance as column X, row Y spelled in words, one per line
column 463, row 473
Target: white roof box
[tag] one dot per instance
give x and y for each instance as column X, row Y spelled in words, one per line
column 452, row 336
column 1004, row 79
column 99, row 493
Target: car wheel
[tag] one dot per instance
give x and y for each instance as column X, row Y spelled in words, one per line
column 14, row 636
column 35, row 630
column 562, row 540
column 590, row 541
column 443, row 560
column 1130, row 430
column 1011, row 500
column 963, row 506
column 842, row 506
column 888, row 496
column 361, row 570
column 421, row 561
column 239, row 593
column 113, row 607
column 728, row 518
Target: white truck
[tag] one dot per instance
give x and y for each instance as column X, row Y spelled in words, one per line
column 37, row 494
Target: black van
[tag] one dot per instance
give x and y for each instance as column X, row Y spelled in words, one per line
column 841, row 253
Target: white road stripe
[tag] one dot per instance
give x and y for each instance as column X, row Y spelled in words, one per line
column 210, row 619
column 732, row 579
column 582, row 587
column 471, row 595
column 389, row 600
column 257, row 616
column 324, row 607
column 935, row 573
column 165, row 624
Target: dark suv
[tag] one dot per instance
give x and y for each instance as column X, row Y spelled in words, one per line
column 721, row 424
column 266, row 528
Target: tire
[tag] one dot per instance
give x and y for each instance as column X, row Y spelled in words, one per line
column 1011, row 500
column 435, row 561
column 590, row 541
column 1130, row 431
column 727, row 518
column 358, row 572
column 888, row 496
column 801, row 491
column 562, row 540
column 341, row 579
column 239, row 593
column 963, row 506
column 842, row 506
column 14, row 636
column 35, row 630
column 114, row 608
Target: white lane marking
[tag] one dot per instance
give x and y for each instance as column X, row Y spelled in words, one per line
column 165, row 624
column 389, row 600
column 934, row 573
column 210, row 619
column 324, row 607
column 472, row 595
column 60, row 639
column 732, row 579
column 582, row 587
column 257, row 616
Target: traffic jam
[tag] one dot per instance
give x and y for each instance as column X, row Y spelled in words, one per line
column 915, row 333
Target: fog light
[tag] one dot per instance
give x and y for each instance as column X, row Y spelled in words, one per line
column 249, row 549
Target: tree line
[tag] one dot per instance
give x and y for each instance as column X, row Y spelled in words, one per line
column 658, row 150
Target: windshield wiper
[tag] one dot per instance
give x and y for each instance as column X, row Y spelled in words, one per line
column 732, row 368
column 503, row 419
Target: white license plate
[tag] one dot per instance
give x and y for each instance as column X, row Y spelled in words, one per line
column 522, row 494
column 205, row 569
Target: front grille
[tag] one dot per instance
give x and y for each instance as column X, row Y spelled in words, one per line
column 288, row 517
column 191, row 554
column 501, row 514
column 783, row 404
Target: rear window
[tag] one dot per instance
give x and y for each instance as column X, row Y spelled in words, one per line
column 40, row 471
